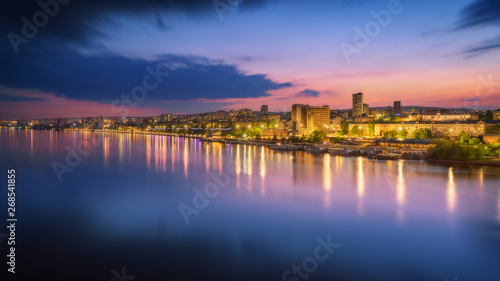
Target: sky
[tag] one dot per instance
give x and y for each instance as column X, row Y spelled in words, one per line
column 71, row 58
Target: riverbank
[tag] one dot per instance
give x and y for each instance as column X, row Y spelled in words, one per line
column 372, row 152
column 476, row 162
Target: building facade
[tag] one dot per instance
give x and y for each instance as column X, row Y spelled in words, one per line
column 318, row 117
column 309, row 118
column 398, row 109
column 357, row 105
column 442, row 117
column 445, row 129
column 264, row 110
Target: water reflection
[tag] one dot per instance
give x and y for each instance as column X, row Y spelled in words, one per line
column 498, row 207
column 401, row 187
column 360, row 184
column 297, row 196
column 262, row 171
column 360, row 177
column 451, row 191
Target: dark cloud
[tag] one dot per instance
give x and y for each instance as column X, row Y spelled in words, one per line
column 65, row 72
column 482, row 47
column 308, row 93
column 9, row 98
column 428, row 32
column 80, row 21
column 480, row 13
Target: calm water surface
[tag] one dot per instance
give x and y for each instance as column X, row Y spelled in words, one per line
column 119, row 207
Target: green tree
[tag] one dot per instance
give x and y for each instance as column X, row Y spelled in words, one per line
column 452, row 150
column 488, row 115
column 403, row 133
column 474, row 141
column 318, row 136
column 371, row 128
column 422, row 134
column 493, row 129
column 463, row 137
column 344, row 131
column 390, row 134
column 257, row 132
column 356, row 131
column 394, row 118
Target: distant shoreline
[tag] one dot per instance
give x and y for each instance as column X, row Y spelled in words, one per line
column 476, row 163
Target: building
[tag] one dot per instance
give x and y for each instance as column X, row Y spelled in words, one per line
column 310, row 118
column 167, row 117
column 245, row 112
column 489, row 139
column 496, row 114
column 220, row 115
column 398, row 110
column 318, row 117
column 357, row 105
column 366, row 109
column 264, row 110
column 442, row 117
column 299, row 116
column 438, row 129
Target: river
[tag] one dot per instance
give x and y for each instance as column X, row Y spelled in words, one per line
column 91, row 205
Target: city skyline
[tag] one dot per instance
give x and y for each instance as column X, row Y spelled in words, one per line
column 288, row 52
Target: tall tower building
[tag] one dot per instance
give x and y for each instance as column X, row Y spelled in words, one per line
column 366, row 109
column 357, row 105
column 398, row 110
column 299, row 115
column 318, row 117
column 311, row 117
column 264, row 110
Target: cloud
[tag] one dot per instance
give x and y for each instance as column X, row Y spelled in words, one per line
column 471, row 99
column 104, row 78
column 81, row 21
column 9, row 98
column 479, row 13
column 482, row 47
column 428, row 32
column 308, row 93
column 40, row 104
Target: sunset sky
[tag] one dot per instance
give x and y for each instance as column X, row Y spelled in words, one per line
column 91, row 56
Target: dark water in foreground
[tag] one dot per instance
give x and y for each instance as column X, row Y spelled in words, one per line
column 119, row 208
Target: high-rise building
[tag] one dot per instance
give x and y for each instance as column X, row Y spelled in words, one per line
column 245, row 112
column 220, row 115
column 357, row 105
column 311, row 117
column 264, row 110
column 398, row 110
column 318, row 117
column 366, row 109
column 496, row 114
column 299, row 115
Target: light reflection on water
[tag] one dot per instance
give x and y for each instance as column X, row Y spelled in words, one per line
column 386, row 214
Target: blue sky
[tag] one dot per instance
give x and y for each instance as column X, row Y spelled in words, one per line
column 430, row 53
